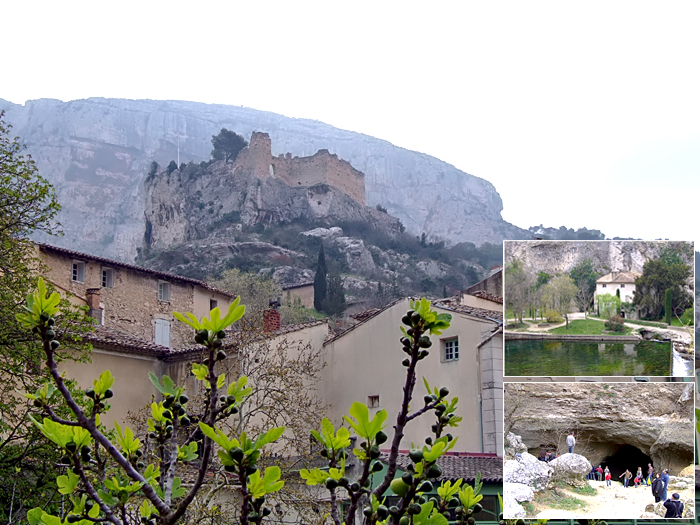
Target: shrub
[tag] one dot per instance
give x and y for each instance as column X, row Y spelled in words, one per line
column 552, row 316
column 688, row 318
column 615, row 324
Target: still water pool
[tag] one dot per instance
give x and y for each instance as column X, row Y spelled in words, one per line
column 570, row 358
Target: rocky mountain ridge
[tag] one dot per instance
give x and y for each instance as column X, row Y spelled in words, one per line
column 96, row 153
column 610, row 256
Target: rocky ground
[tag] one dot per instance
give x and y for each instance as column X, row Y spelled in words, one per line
column 614, row 502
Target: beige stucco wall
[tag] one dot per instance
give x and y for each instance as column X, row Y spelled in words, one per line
column 367, row 362
column 202, row 296
column 132, row 389
column 478, row 302
column 305, row 293
column 626, row 293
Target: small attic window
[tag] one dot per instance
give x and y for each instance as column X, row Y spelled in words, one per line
column 163, row 291
column 108, row 277
column 78, row 272
column 372, row 401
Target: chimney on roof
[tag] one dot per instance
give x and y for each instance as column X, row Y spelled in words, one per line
column 272, row 320
column 93, row 301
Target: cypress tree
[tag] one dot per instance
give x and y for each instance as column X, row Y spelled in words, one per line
column 668, row 305
column 320, row 284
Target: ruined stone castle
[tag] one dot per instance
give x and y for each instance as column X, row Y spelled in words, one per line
column 322, row 168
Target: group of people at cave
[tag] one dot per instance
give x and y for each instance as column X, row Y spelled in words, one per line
column 658, row 482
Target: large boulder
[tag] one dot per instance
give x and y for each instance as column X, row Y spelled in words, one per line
column 511, row 508
column 659, row 510
column 571, row 469
column 514, row 445
column 528, row 470
column 520, row 492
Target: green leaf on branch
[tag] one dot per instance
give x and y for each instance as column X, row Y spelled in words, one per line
column 468, row 497
column 126, row 440
column 104, row 383
column 38, row 303
column 331, row 439
column 187, row 453
column 68, row 483
column 178, row 490
column 214, row 323
column 314, row 477
column 239, row 391
column 269, row 483
column 429, row 516
column 359, row 420
column 167, row 387
column 219, row 437
column 447, row 489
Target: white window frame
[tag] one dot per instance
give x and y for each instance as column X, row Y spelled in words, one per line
column 162, row 332
column 78, row 271
column 450, row 349
column 164, row 291
column 373, row 401
column 213, row 303
column 107, row 277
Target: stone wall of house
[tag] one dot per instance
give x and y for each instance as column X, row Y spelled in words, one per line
column 132, row 304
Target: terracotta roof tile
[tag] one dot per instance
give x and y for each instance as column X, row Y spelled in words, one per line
column 481, row 294
column 452, row 303
column 463, row 465
column 112, row 339
column 619, row 277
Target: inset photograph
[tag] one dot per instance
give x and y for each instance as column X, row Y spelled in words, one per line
column 599, row 450
column 599, row 308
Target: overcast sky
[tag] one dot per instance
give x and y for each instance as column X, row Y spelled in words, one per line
column 580, row 114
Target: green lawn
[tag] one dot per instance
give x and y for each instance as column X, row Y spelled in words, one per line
column 578, row 327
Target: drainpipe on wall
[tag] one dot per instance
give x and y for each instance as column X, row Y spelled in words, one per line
column 481, row 426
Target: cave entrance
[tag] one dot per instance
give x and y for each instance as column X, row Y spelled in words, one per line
column 627, row 457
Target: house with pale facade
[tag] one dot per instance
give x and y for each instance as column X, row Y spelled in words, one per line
column 364, row 364
column 614, row 281
column 135, row 330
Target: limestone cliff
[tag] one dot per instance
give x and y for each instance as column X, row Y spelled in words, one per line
column 609, row 420
column 96, row 153
column 609, row 256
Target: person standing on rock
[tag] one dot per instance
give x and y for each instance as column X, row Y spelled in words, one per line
column 664, row 478
column 571, row 442
column 608, row 483
column 656, row 487
column 591, row 474
column 599, row 472
column 628, row 476
column 650, row 472
column 674, row 507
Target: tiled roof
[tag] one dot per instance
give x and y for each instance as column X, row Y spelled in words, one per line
column 465, row 466
column 452, row 304
column 112, row 262
column 255, row 335
column 619, row 277
column 481, row 294
column 111, row 339
column 375, row 313
column 366, row 314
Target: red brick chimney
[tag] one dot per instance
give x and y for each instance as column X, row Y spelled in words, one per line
column 272, row 321
column 93, row 300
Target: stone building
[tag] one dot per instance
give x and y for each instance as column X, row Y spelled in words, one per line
column 129, row 298
column 322, row 168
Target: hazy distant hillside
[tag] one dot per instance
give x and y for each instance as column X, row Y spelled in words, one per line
column 96, row 152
